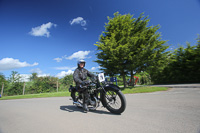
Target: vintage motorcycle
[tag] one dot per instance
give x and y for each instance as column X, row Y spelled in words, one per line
column 96, row 91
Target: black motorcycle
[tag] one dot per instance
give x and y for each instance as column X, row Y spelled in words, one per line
column 96, row 91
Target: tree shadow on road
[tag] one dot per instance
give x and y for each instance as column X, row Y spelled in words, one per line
column 72, row 108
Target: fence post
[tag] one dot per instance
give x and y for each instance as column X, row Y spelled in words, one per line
column 24, row 88
column 57, row 85
column 2, row 89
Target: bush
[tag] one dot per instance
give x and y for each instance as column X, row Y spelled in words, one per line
column 15, row 88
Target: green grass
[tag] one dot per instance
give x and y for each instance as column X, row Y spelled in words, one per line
column 128, row 90
column 143, row 89
column 54, row 94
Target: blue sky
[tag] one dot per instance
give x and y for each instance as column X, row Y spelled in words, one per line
column 49, row 36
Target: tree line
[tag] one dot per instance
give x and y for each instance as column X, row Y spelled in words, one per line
column 129, row 45
column 14, row 85
column 182, row 66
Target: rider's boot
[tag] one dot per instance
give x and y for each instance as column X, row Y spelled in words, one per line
column 73, row 91
column 85, row 102
column 85, row 108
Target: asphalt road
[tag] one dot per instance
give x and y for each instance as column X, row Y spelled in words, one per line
column 174, row 111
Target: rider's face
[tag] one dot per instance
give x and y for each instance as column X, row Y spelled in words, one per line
column 81, row 65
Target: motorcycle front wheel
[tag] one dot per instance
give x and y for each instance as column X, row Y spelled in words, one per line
column 114, row 101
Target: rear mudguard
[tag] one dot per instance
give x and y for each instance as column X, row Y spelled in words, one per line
column 106, row 88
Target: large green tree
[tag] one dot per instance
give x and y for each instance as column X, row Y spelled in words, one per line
column 128, row 45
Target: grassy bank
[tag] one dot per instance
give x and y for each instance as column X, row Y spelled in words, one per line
column 129, row 90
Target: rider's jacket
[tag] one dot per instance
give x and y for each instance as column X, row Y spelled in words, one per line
column 81, row 74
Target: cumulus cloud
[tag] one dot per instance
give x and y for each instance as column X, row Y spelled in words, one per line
column 10, row 63
column 64, row 73
column 78, row 55
column 42, row 30
column 79, row 21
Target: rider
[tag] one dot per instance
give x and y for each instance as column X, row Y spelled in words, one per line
column 80, row 77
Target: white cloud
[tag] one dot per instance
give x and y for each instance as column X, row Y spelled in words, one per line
column 10, row 63
column 64, row 73
column 94, row 68
column 36, row 70
column 83, row 23
column 65, row 68
column 43, row 75
column 42, row 30
column 58, row 59
column 78, row 20
column 79, row 55
column 26, row 77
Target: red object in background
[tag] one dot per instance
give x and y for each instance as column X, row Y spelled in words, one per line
column 137, row 78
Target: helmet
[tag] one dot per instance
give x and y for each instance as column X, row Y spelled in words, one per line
column 81, row 61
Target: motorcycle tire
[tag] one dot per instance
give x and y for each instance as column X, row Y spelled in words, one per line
column 111, row 98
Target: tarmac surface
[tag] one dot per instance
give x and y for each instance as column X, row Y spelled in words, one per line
column 180, row 85
column 174, row 111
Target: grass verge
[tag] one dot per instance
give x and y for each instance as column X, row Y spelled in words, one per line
column 143, row 89
column 129, row 90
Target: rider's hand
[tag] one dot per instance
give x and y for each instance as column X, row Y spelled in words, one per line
column 86, row 82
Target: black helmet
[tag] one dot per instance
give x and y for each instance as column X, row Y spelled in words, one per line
column 81, row 61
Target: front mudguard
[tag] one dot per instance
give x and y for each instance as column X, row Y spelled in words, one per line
column 110, row 87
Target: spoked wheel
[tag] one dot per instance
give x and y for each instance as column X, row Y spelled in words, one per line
column 115, row 101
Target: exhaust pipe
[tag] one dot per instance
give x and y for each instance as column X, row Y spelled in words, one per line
column 78, row 104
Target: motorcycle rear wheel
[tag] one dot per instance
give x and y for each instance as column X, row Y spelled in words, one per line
column 114, row 101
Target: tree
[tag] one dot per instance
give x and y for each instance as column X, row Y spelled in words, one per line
column 34, row 76
column 14, row 77
column 128, row 45
column 67, row 80
column 2, row 78
column 183, row 66
column 15, row 85
column 146, row 48
column 44, row 84
column 2, row 81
